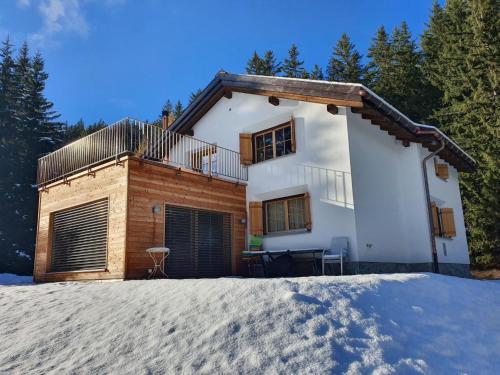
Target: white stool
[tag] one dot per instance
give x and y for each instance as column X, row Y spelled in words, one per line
column 159, row 263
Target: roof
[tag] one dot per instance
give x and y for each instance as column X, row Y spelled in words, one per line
column 359, row 98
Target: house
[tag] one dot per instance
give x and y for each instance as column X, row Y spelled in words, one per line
column 295, row 161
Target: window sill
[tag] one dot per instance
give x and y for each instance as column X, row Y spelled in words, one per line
column 273, row 159
column 286, row 233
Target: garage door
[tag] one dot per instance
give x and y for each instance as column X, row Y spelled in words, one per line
column 199, row 243
column 79, row 238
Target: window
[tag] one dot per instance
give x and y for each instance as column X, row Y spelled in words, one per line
column 80, row 237
column 287, row 214
column 441, row 170
column 275, row 142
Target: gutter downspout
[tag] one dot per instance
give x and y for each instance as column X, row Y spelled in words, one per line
column 435, row 263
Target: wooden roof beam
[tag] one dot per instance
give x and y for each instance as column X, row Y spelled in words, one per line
column 274, row 100
column 332, row 108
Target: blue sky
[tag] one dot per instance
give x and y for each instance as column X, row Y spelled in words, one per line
column 111, row 58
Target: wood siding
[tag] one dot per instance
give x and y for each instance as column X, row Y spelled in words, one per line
column 152, row 184
column 107, row 181
column 133, row 189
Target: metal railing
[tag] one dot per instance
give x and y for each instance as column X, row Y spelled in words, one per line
column 133, row 137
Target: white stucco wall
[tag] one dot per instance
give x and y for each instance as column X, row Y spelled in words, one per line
column 321, row 164
column 391, row 221
column 381, row 207
column 447, row 194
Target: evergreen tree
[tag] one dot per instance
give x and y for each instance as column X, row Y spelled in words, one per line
column 79, row 130
column 317, row 73
column 268, row 65
column 380, row 66
column 431, row 50
column 395, row 73
column 345, row 62
column 255, row 64
column 27, row 131
column 10, row 141
column 7, row 83
column 409, row 93
column 462, row 42
column 167, row 107
column 292, row 66
column 194, row 95
column 178, row 109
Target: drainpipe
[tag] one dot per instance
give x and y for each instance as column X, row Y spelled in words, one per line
column 435, row 263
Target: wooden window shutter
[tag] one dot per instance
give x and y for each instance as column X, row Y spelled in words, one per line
column 448, row 223
column 435, row 219
column 246, row 148
column 292, row 124
column 256, row 216
column 307, row 205
column 441, row 170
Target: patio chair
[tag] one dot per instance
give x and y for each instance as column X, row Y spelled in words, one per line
column 337, row 253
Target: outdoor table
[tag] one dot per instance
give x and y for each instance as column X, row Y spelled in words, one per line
column 272, row 254
column 159, row 262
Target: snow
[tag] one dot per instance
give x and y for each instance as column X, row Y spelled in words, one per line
column 380, row 324
column 23, row 254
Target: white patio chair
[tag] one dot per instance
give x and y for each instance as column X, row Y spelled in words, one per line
column 337, row 253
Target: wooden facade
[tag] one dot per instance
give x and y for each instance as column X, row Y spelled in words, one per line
column 151, row 184
column 134, row 188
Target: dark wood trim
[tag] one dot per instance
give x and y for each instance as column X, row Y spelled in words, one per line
column 273, row 129
column 228, row 94
column 332, row 108
column 303, row 196
column 274, row 100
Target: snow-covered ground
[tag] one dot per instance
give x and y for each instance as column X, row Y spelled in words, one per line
column 406, row 323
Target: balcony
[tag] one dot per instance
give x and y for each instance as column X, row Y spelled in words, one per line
column 133, row 137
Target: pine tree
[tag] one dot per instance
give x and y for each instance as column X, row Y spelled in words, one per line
column 178, row 109
column 7, row 83
column 27, row 131
column 395, row 73
column 22, row 81
column 345, row 62
column 167, row 107
column 380, row 66
column 268, row 65
column 79, row 130
column 10, row 142
column 194, row 95
column 431, row 49
column 255, row 64
column 317, row 73
column 292, row 66
column 408, row 92
column 462, row 42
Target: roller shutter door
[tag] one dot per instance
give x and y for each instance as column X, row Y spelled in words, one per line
column 199, row 242
column 79, row 238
